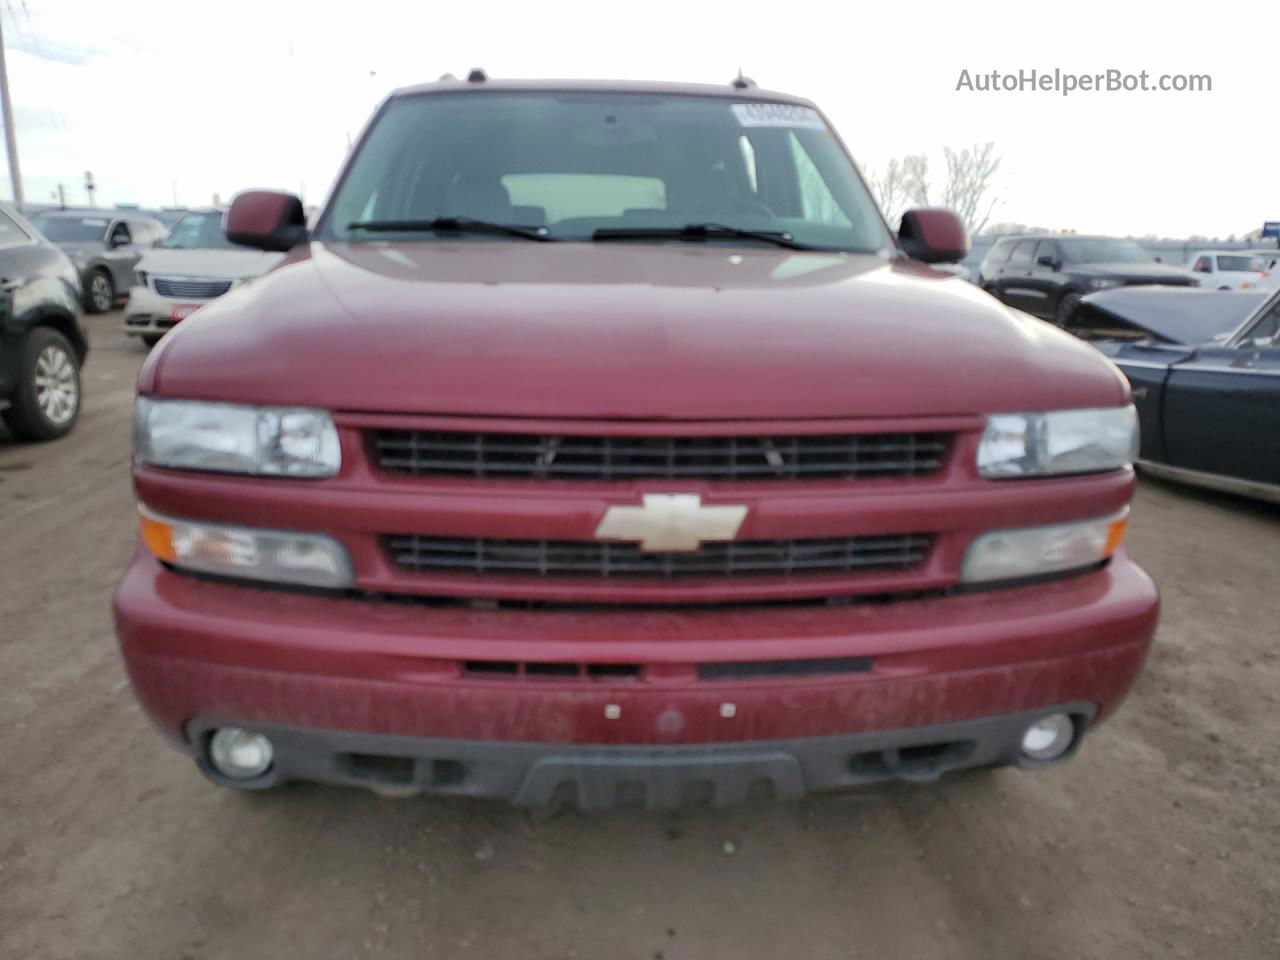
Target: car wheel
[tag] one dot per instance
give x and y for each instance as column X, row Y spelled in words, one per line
column 47, row 401
column 101, row 294
column 1066, row 311
column 152, row 339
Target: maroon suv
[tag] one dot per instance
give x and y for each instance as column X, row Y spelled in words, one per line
column 601, row 441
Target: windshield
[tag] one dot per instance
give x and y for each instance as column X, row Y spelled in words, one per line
column 198, row 231
column 1103, row 250
column 71, row 229
column 577, row 163
column 1242, row 264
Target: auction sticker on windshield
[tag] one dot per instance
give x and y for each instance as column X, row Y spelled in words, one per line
column 777, row 115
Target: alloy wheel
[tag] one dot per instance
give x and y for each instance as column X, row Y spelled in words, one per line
column 57, row 392
column 101, row 293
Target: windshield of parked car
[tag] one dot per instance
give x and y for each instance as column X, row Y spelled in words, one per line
column 198, row 231
column 1102, row 250
column 1242, row 264
column 71, row 229
column 576, row 163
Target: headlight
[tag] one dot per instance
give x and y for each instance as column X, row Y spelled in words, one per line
column 1034, row 551
column 1065, row 441
column 227, row 437
column 274, row 556
column 1097, row 283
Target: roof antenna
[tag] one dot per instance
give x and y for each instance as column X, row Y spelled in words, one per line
column 742, row 83
column 477, row 75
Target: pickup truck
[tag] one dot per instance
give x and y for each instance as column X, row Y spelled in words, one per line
column 600, row 443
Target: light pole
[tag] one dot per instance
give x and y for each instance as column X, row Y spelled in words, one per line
column 9, row 138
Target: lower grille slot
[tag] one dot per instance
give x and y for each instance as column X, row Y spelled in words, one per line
column 553, row 670
column 608, row 559
column 783, row 668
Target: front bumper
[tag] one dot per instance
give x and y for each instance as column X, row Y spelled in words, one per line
column 147, row 313
column 335, row 676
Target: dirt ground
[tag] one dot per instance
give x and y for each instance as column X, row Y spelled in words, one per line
column 1161, row 839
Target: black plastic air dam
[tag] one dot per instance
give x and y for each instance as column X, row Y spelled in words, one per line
column 597, row 777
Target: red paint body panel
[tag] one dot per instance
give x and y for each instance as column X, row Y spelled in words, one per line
column 196, row 647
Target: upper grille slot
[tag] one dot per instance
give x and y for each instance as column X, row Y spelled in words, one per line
column 191, row 288
column 614, row 559
column 426, row 452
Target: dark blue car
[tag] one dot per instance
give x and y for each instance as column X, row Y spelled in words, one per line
column 1205, row 371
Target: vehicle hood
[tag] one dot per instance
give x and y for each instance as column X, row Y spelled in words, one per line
column 1171, row 315
column 622, row 331
column 232, row 264
column 1155, row 272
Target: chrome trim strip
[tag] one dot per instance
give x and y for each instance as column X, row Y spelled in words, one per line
column 1143, row 364
column 1213, row 481
column 1181, row 368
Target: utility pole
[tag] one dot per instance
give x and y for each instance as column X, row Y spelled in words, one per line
column 10, row 140
column 62, row 196
column 90, row 186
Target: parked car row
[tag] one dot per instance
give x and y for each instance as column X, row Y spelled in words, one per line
column 1046, row 276
column 61, row 263
column 105, row 247
column 42, row 343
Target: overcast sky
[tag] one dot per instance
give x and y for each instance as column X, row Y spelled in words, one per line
column 188, row 99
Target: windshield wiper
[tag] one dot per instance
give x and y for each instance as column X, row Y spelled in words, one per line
column 451, row 225
column 700, row 231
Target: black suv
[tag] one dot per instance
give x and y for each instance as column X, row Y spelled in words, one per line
column 1047, row 276
column 42, row 343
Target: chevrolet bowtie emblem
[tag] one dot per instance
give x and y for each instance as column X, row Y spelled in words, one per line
column 671, row 522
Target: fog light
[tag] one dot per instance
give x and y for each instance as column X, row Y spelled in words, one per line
column 1049, row 737
column 240, row 754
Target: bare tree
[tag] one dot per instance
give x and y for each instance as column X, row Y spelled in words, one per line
column 889, row 191
column 915, row 177
column 970, row 171
column 904, row 184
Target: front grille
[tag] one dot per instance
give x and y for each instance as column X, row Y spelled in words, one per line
column 425, row 452
column 611, row 559
column 189, row 288
column 1160, row 282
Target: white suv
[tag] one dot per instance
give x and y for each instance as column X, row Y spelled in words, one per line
column 194, row 264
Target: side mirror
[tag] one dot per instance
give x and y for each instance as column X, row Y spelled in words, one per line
column 1048, row 261
column 933, row 236
column 265, row 219
column 118, row 240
